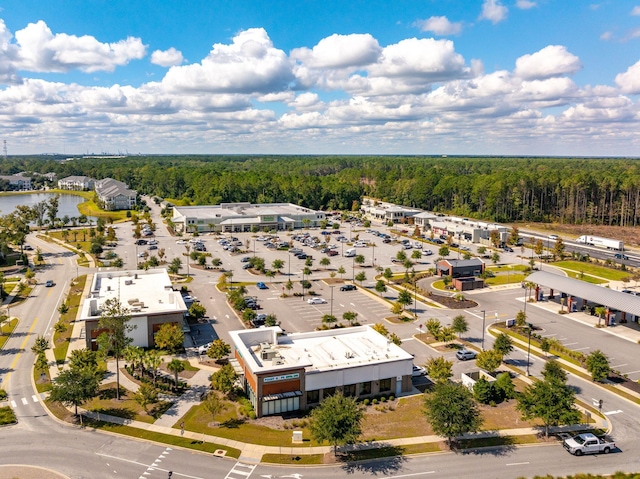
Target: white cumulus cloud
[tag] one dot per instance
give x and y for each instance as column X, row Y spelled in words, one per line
column 629, row 81
column 41, row 51
column 340, row 51
column 250, row 64
column 425, row 58
column 635, row 10
column 493, row 11
column 439, row 26
column 552, row 60
column 167, row 58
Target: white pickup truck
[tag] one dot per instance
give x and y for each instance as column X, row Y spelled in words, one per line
column 588, row 444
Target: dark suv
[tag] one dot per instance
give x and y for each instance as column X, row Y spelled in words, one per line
column 348, row 287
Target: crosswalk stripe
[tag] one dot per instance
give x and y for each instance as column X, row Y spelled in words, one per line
column 35, row 398
column 24, row 401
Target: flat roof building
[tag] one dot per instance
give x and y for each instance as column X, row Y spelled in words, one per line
column 244, row 217
column 148, row 295
column 283, row 373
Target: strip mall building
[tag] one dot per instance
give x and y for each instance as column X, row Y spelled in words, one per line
column 291, row 372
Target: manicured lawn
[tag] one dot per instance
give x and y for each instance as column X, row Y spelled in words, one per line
column 504, row 278
column 126, row 407
column 405, row 419
column 593, row 270
column 61, row 339
column 585, row 277
column 508, row 267
column 307, row 459
column 7, row 329
column 90, row 208
column 229, row 424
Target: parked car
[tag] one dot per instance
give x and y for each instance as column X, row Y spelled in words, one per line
column 28, row 247
column 466, row 354
column 202, row 350
column 181, row 242
column 151, row 242
column 332, row 252
column 396, row 260
column 152, row 246
column 348, row 287
column 246, row 266
column 316, row 300
column 418, row 371
column 141, row 242
column 261, row 285
column 508, row 249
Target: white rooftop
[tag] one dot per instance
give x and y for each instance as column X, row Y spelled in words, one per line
column 142, row 292
column 243, row 210
column 315, row 351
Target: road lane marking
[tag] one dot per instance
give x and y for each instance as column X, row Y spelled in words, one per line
column 517, row 464
column 15, row 360
column 611, row 413
column 409, row 475
column 24, row 401
column 582, row 349
column 619, row 366
column 35, row 398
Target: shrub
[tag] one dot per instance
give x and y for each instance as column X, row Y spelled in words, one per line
column 365, row 402
column 375, row 401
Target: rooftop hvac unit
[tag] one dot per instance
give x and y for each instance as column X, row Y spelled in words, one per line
column 128, row 281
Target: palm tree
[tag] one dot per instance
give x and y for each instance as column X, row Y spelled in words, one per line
column 600, row 311
column 176, row 367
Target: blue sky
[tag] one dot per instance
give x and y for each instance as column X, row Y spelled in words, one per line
column 482, row 77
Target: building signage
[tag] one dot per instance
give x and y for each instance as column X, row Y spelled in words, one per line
column 268, row 219
column 284, row 377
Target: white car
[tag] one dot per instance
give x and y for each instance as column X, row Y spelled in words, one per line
column 153, row 242
column 202, row 350
column 181, row 242
column 418, row 371
column 316, row 300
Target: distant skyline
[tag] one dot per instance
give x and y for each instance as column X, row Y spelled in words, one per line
column 476, row 77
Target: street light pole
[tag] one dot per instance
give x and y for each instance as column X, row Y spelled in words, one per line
column 529, row 349
column 187, row 247
column 483, row 318
column 353, row 269
column 332, row 299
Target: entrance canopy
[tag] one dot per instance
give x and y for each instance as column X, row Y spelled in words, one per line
column 610, row 298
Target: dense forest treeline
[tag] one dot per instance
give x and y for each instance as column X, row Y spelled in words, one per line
column 597, row 191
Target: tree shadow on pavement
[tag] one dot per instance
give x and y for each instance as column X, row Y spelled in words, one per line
column 381, row 460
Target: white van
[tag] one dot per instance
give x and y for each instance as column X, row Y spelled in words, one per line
column 350, row 253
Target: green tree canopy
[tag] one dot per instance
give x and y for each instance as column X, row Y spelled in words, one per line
column 170, row 337
column 598, row 365
column 337, row 420
column 451, row 410
column 218, row 350
column 439, row 369
column 114, row 321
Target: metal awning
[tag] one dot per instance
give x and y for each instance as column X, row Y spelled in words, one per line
column 591, row 292
column 289, row 394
